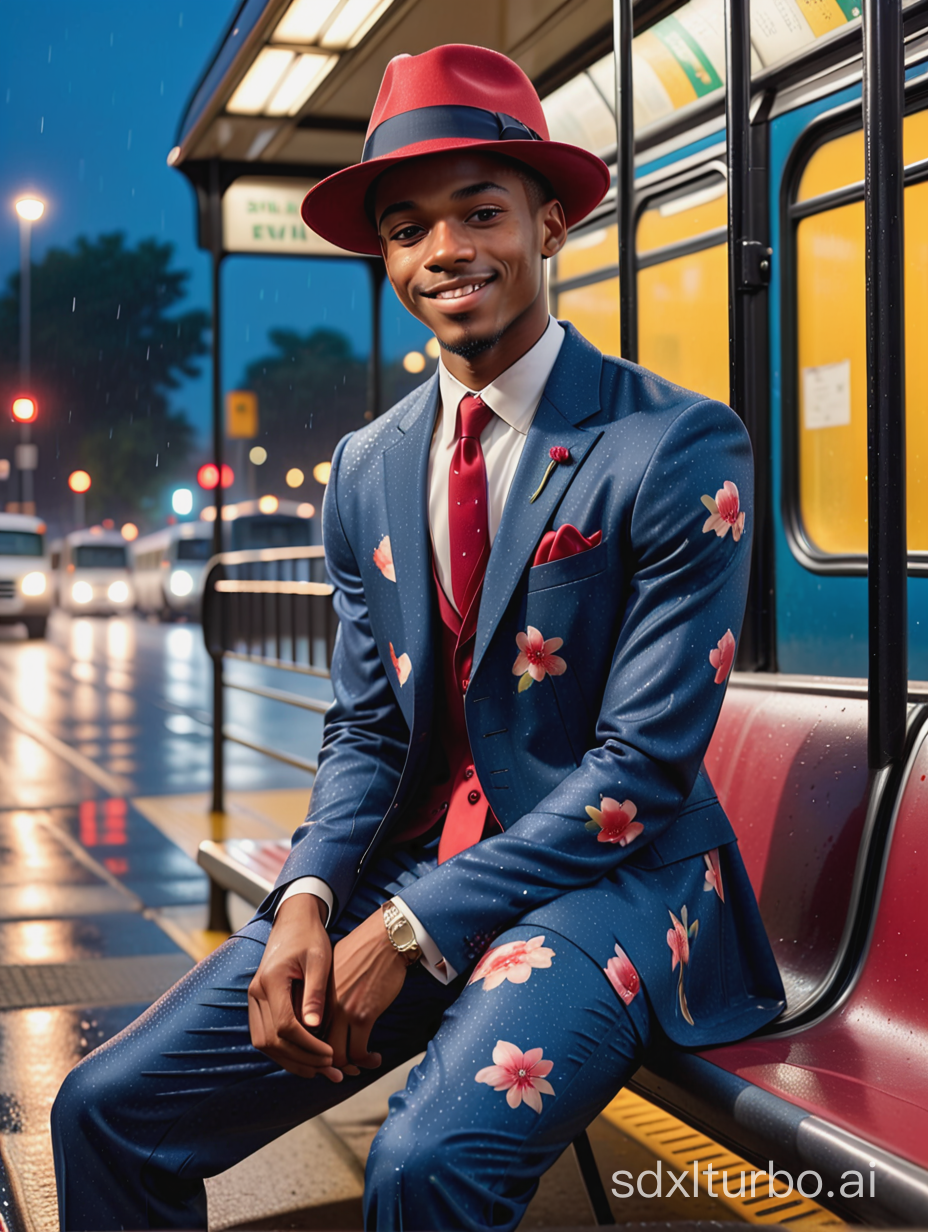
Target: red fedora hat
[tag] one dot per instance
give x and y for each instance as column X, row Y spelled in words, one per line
column 453, row 97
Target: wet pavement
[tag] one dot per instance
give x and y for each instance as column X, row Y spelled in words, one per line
column 97, row 903
column 125, row 704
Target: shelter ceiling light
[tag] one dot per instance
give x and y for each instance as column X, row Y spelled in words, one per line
column 303, row 78
column 352, row 22
column 260, row 82
column 303, row 21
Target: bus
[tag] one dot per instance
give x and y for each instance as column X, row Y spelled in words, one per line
column 25, row 573
column 265, row 523
column 94, row 574
column 167, row 568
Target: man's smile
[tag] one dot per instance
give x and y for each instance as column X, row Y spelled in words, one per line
column 458, row 288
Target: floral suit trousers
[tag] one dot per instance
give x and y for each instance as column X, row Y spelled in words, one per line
column 522, row 1052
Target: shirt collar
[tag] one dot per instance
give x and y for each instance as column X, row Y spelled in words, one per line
column 514, row 395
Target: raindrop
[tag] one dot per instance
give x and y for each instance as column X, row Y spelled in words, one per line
column 118, row 310
column 162, row 88
column 74, row 304
column 49, row 53
column 129, row 142
column 42, row 125
column 156, row 458
column 180, row 21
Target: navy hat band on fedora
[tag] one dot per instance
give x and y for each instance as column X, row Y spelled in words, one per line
column 443, row 123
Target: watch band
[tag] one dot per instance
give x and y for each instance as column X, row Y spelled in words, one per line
column 401, row 933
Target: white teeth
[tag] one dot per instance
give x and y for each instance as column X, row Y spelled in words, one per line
column 458, row 292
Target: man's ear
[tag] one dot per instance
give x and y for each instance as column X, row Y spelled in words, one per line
column 554, row 228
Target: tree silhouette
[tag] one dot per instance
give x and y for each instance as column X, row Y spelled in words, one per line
column 105, row 356
column 311, row 390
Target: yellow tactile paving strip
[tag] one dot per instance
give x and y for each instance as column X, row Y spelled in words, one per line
column 681, row 1147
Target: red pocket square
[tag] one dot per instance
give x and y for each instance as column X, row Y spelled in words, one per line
column 565, row 541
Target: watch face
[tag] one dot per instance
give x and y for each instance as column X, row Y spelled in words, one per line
column 402, row 935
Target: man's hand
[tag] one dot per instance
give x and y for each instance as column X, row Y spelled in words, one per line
column 288, row 992
column 367, row 975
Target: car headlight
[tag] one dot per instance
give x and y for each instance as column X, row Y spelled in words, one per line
column 118, row 592
column 82, row 592
column 34, row 584
column 181, row 583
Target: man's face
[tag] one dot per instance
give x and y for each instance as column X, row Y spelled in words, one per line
column 463, row 245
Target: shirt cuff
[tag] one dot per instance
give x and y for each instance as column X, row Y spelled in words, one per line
column 309, row 885
column 431, row 956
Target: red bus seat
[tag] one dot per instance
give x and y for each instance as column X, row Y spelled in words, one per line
column 790, row 769
column 848, row 1092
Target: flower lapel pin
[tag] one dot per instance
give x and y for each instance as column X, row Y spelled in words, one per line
column 559, row 456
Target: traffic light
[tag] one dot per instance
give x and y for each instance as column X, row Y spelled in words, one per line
column 79, row 482
column 208, row 476
column 25, row 409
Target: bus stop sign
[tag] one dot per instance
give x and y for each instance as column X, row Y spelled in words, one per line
column 241, row 414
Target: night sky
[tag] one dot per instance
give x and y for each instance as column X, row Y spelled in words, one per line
column 91, row 95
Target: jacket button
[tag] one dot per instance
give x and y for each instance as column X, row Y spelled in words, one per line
column 473, row 797
column 469, row 772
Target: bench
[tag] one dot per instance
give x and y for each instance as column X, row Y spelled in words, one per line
column 789, row 762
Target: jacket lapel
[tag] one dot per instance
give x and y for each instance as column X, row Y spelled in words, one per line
column 406, row 484
column 571, row 395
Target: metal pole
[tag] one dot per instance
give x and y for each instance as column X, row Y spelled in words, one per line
column 26, row 493
column 883, row 104
column 215, row 194
column 623, row 33
column 375, row 392
column 737, row 136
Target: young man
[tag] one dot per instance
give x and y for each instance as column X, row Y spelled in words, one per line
column 537, row 623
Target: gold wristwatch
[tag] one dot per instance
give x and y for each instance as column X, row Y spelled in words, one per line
column 401, row 933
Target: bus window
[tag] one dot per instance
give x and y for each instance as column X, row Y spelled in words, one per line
column 594, row 310
column 194, row 549
column 266, row 531
column 831, row 353
column 840, row 162
column 683, row 288
column 99, row 556
column 20, row 543
column 590, row 258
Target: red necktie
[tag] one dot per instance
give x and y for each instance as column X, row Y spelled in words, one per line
column 469, row 532
column 468, row 524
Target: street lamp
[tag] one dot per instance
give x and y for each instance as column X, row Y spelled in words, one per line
column 30, row 210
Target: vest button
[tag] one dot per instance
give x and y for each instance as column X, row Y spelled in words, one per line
column 464, row 683
column 473, row 797
column 469, row 772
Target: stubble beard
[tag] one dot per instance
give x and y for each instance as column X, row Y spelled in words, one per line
column 470, row 348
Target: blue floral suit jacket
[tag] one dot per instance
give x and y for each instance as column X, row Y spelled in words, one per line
column 612, row 833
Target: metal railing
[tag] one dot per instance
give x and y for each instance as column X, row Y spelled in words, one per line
column 271, row 606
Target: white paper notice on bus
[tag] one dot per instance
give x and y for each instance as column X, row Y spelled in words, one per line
column 826, row 395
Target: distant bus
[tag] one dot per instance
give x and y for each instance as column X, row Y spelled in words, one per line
column 94, row 577
column 168, row 567
column 25, row 573
column 267, row 523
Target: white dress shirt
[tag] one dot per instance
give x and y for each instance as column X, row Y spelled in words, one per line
column 514, row 398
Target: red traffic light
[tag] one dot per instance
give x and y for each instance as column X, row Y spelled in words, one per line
column 208, row 476
column 25, row 409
